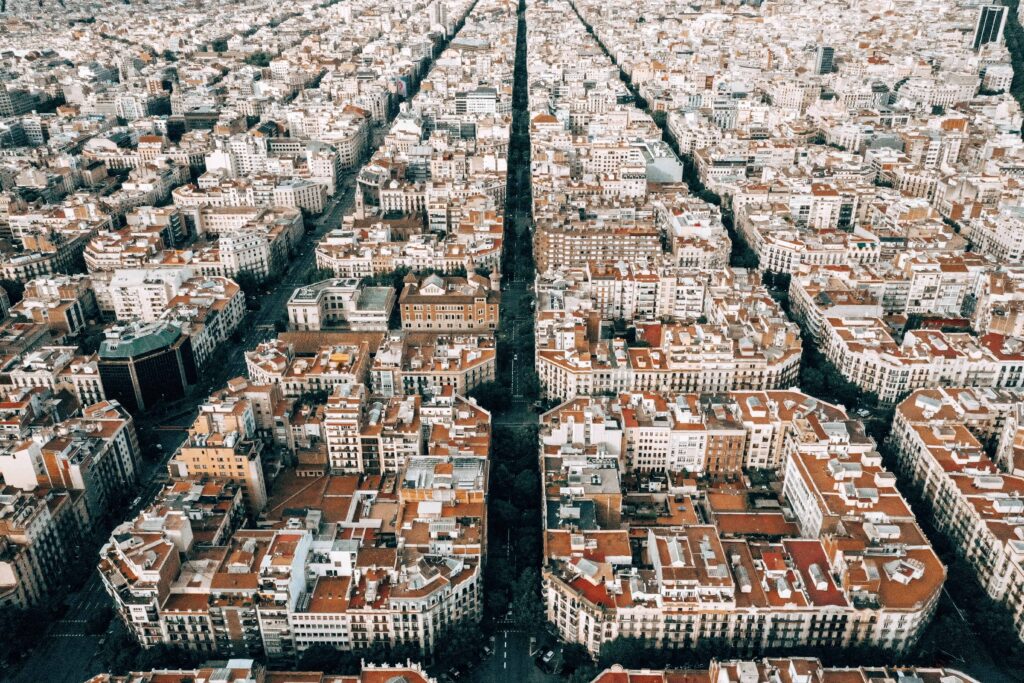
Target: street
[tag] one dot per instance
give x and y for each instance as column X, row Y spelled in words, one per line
column 510, row 661
column 260, row 326
column 66, row 653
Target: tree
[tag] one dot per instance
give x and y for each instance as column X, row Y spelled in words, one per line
column 318, row 275
column 393, row 279
column 20, row 630
column 90, row 342
column 248, row 281
column 525, row 486
column 527, row 606
column 504, row 513
column 628, row 651
column 530, row 385
column 98, row 622
column 491, row 395
column 313, row 398
column 575, row 657
column 459, row 644
column 584, row 674
column 323, row 657
column 260, row 59
column 120, row 652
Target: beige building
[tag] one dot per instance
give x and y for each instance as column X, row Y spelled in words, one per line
column 222, row 444
column 677, row 561
column 940, row 437
column 427, row 363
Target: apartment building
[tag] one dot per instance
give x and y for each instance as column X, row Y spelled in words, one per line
column 97, row 453
column 38, row 527
column 568, row 240
column 344, row 560
column 240, row 670
column 425, row 364
column 845, row 313
column 942, row 439
column 125, row 248
column 222, row 444
column 769, row 669
column 573, row 359
column 64, row 303
column 375, row 437
column 331, row 365
column 258, row 190
column 835, row 560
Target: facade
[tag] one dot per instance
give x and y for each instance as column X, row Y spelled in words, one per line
column 37, row 526
column 340, row 304
column 680, row 563
column 990, row 26
column 941, row 439
column 240, row 670
column 64, row 303
column 222, row 444
column 736, row 337
column 324, row 566
column 796, row 669
column 330, row 366
column 143, row 364
column 438, row 303
column 427, row 364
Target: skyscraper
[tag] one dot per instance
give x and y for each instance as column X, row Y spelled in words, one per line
column 991, row 22
column 823, row 62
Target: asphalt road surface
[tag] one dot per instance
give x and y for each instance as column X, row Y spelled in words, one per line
column 510, row 662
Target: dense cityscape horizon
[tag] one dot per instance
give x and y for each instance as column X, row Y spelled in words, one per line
column 362, row 341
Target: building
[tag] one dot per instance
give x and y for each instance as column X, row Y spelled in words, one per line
column 330, row 365
column 772, row 669
column 39, row 529
column 823, row 59
column 941, row 439
column 990, row 25
column 339, row 560
column 425, row 364
column 831, row 558
column 340, row 303
column 222, row 445
column 143, row 364
column 250, row 671
column 438, row 303
column 97, row 454
column 65, row 303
